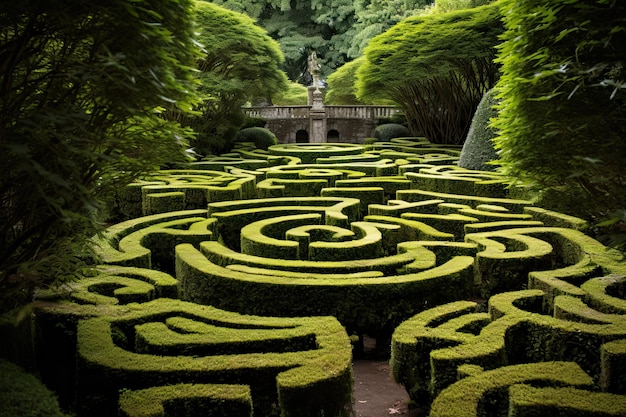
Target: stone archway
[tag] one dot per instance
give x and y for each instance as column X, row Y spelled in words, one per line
column 332, row 135
column 302, row 136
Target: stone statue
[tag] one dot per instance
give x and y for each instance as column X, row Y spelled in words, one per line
column 314, row 68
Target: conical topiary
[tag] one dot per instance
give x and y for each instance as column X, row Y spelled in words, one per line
column 478, row 148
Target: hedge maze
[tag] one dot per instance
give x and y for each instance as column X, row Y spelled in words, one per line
column 235, row 289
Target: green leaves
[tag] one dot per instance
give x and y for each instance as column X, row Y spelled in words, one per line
column 562, row 88
column 437, row 67
column 240, row 63
column 81, row 85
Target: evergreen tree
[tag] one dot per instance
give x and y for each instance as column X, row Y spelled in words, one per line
column 375, row 17
column 304, row 26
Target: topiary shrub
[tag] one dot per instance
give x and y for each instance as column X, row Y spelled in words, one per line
column 262, row 138
column 254, row 122
column 388, row 131
column 478, row 148
column 23, row 395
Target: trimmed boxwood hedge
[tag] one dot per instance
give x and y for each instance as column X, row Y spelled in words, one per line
column 409, row 242
column 23, row 395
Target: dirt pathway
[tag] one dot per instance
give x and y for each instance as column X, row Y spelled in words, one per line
column 375, row 392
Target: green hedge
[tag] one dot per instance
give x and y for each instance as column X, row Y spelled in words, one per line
column 23, row 395
column 455, row 180
column 371, row 305
column 388, row 131
column 178, row 189
column 309, row 152
column 428, row 349
column 149, row 241
column 487, row 393
column 301, row 366
column 186, row 400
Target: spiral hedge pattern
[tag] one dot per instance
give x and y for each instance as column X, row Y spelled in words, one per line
column 236, row 290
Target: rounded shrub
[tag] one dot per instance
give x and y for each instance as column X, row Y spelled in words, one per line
column 263, row 138
column 254, row 122
column 388, row 131
column 23, row 395
column 478, row 148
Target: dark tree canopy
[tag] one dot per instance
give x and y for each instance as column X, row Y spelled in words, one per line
column 374, row 17
column 81, row 88
column 301, row 27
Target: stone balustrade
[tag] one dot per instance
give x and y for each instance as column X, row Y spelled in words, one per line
column 335, row 112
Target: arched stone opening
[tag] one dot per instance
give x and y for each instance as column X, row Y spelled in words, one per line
column 332, row 135
column 302, row 136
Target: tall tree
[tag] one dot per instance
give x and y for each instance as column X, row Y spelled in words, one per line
column 340, row 84
column 301, row 27
column 375, row 17
column 436, row 67
column 81, row 88
column 562, row 120
column 240, row 63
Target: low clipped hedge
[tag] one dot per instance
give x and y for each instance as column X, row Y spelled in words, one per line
column 295, row 367
column 369, row 305
column 402, row 237
column 487, row 393
column 184, row 400
column 428, row 349
column 23, row 395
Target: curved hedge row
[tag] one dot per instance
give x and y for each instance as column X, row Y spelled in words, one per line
column 219, row 304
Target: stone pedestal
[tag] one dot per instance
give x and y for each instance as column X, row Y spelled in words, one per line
column 317, row 116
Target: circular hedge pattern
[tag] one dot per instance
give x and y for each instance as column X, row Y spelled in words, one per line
column 253, row 298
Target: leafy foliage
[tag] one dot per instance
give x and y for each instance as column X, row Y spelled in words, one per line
column 444, row 6
column 294, row 94
column 375, row 17
column 340, row 84
column 240, row 63
column 436, row 67
column 301, row 27
column 338, row 31
column 82, row 85
column 22, row 394
column 562, row 118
